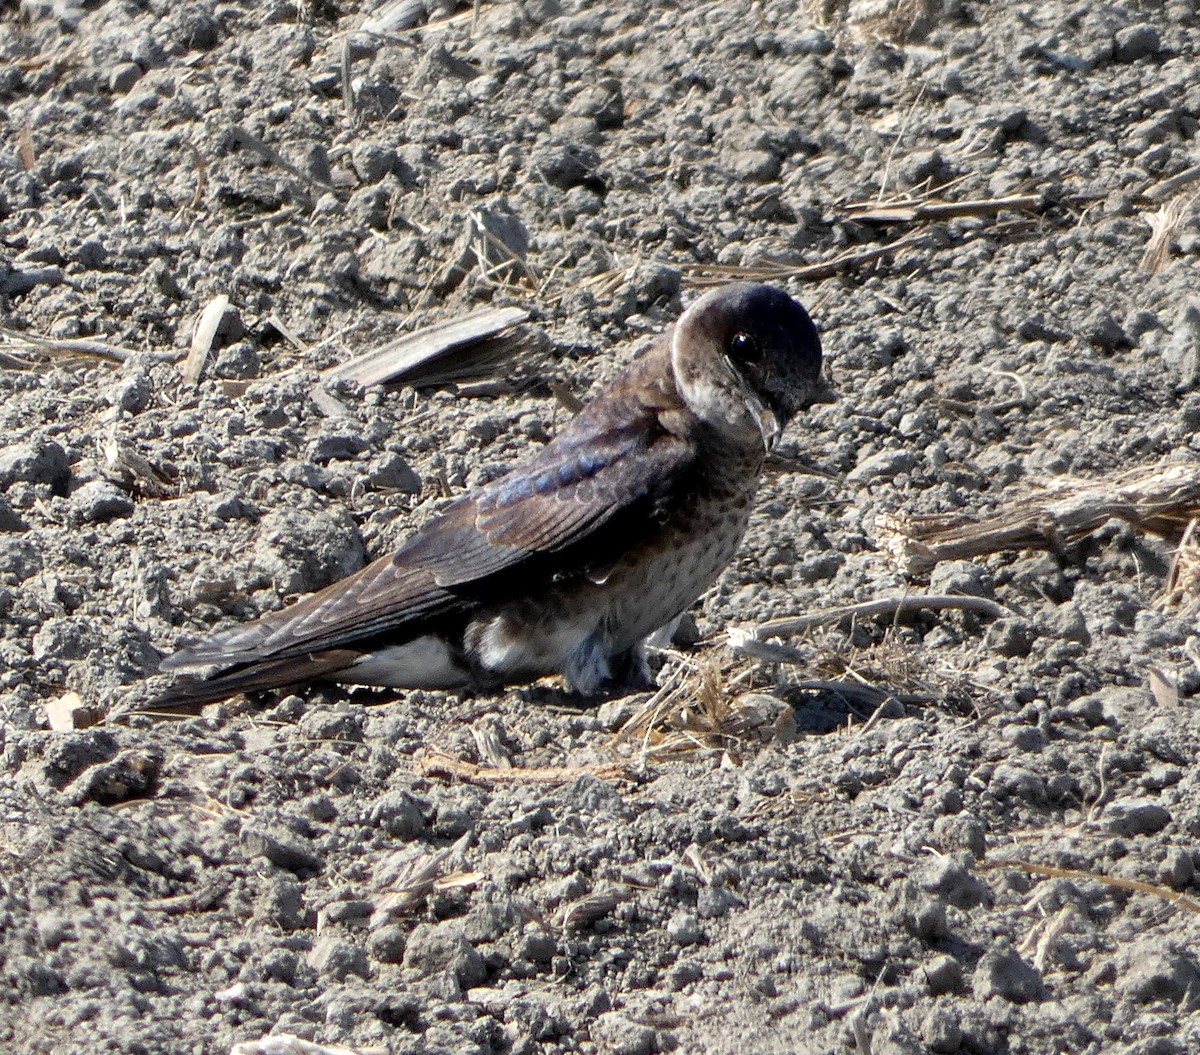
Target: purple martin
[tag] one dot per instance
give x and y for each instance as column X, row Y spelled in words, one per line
column 567, row 562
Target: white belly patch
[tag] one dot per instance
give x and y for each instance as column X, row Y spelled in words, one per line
column 423, row 663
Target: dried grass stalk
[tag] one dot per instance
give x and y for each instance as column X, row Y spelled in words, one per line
column 719, row 274
column 23, row 343
column 437, row 764
column 1135, row 885
column 1182, row 589
column 1172, row 185
column 891, row 609
column 244, row 137
column 698, row 709
column 410, row 879
column 289, row 1044
column 910, row 210
column 1165, row 223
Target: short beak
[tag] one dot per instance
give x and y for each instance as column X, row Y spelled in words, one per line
column 764, row 417
column 768, row 424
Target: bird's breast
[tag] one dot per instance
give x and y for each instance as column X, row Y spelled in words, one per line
column 662, row 577
column 604, row 611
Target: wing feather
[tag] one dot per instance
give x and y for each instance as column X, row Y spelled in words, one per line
column 534, row 523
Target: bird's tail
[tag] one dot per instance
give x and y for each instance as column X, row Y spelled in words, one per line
column 190, row 694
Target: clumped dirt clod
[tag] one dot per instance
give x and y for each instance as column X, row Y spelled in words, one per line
column 947, row 828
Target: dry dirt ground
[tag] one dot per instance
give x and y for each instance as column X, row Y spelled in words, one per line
column 944, row 831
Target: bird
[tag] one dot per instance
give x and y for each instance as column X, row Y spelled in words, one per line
column 567, row 562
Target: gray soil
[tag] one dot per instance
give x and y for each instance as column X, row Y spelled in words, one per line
column 795, row 870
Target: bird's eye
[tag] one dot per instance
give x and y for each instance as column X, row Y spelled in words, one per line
column 743, row 347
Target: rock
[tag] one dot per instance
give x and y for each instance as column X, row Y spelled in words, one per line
column 373, row 160
column 335, row 959
column 1179, row 868
column 65, row 639
column 925, row 168
column 300, row 553
column 283, row 849
column 1135, row 816
column 130, row 394
column 963, row 578
column 1002, row 972
column 124, row 76
column 921, row 915
column 683, row 929
column 756, row 166
column 943, row 974
column 619, row 1035
column 881, row 467
column 35, row 461
column 1155, row 970
column 17, row 283
column 132, row 774
column 537, row 947
column 391, row 472
column 494, row 239
column 1137, row 42
column 1106, row 333
column 19, row 560
column 69, row 712
column 948, row 879
column 399, row 814
column 434, row 949
column 98, row 500
column 567, row 165
column 1011, row 636
column 1181, row 352
column 941, row 1032
column 1014, row 781
column 64, row 758
column 9, row 519
column 388, row 943
column 280, row 904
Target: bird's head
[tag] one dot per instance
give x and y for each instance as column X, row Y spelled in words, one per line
column 746, row 359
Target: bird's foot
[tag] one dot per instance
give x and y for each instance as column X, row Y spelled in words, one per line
column 631, row 668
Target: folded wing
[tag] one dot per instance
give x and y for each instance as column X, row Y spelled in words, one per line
column 593, row 491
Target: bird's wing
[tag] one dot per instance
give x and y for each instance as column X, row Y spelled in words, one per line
column 540, row 520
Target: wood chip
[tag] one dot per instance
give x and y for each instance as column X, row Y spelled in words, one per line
column 202, row 339
column 132, row 469
column 421, row 355
column 588, row 909
column 69, row 712
column 25, row 151
column 1161, row 499
column 1163, row 687
column 488, row 733
column 394, row 17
